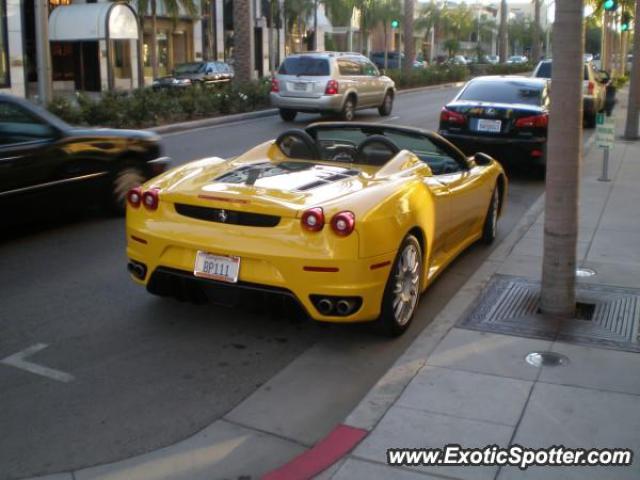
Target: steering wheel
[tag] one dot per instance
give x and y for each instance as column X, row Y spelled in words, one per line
column 344, row 154
column 296, row 143
column 389, row 150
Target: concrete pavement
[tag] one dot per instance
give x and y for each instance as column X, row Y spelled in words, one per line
column 464, row 381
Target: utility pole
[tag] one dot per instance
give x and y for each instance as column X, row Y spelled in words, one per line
column 409, row 42
column 43, row 56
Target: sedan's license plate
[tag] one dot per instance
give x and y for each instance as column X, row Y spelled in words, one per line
column 492, row 126
column 217, row 267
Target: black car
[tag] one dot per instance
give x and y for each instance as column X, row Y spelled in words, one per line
column 196, row 73
column 505, row 117
column 43, row 158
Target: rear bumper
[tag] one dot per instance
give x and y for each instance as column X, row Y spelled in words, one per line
column 271, row 260
column 325, row 103
column 506, row 150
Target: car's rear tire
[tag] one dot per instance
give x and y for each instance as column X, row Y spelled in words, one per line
column 288, row 115
column 349, row 109
column 402, row 292
column 387, row 105
column 490, row 227
column 124, row 179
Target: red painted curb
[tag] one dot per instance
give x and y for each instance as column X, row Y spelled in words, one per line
column 325, row 453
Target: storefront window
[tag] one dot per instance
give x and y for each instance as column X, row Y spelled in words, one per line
column 4, row 47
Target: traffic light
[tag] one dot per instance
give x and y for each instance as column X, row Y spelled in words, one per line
column 625, row 22
column 610, row 5
column 395, row 23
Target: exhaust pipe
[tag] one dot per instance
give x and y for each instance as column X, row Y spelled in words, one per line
column 136, row 269
column 324, row 306
column 344, row 307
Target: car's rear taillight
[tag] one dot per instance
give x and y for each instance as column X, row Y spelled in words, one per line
column 332, row 88
column 450, row 116
column 275, row 85
column 313, row 219
column 534, row 121
column 590, row 87
column 134, row 197
column 150, row 199
column 343, row 223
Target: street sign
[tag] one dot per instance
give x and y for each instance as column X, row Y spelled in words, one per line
column 605, row 132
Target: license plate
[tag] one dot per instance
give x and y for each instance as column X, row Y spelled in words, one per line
column 217, row 267
column 492, row 126
column 300, row 87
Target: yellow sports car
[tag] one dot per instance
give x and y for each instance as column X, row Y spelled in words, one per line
column 352, row 220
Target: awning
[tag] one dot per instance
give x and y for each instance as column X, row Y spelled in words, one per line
column 93, row 21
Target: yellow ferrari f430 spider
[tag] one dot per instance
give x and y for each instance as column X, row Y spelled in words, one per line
column 353, row 221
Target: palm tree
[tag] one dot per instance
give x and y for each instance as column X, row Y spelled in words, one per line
column 428, row 19
column 502, row 32
column 172, row 7
column 409, row 42
column 296, row 14
column 564, row 151
column 631, row 126
column 243, row 41
column 535, row 32
column 341, row 12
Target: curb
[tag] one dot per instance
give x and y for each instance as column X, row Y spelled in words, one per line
column 239, row 117
column 364, row 418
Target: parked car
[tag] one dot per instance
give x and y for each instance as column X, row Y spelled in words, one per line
column 588, row 57
column 330, row 82
column 594, row 89
column 517, row 59
column 352, row 221
column 196, row 73
column 44, row 160
column 394, row 60
column 458, row 60
column 504, row 116
column 493, row 59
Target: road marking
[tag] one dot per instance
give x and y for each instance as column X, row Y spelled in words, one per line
column 17, row 360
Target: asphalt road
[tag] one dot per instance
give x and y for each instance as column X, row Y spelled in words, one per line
column 144, row 372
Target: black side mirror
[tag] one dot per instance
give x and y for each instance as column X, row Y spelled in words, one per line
column 482, row 159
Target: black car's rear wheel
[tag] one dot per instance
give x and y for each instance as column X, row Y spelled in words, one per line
column 402, row 291
column 124, row 179
column 288, row 115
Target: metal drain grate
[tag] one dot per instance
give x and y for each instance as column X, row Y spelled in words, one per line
column 511, row 304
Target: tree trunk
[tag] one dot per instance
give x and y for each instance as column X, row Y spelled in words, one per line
column 272, row 50
column 409, row 42
column 315, row 26
column 243, row 41
column 535, row 41
column 631, row 127
column 140, row 48
column 154, row 40
column 503, row 31
column 564, row 151
column 623, row 52
column 386, row 46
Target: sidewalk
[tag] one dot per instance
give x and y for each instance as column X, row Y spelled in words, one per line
column 465, row 379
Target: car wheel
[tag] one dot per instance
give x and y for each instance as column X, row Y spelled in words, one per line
column 387, row 105
column 288, row 115
column 490, row 227
column 125, row 178
column 402, row 291
column 349, row 109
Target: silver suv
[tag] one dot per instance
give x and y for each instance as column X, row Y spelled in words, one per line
column 330, row 82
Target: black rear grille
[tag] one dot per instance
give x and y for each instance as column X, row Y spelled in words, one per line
column 231, row 217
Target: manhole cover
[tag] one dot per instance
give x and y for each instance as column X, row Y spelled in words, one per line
column 546, row 359
column 585, row 272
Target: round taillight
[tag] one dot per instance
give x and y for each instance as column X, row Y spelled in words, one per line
column 343, row 223
column 313, row 219
column 134, row 197
column 150, row 199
